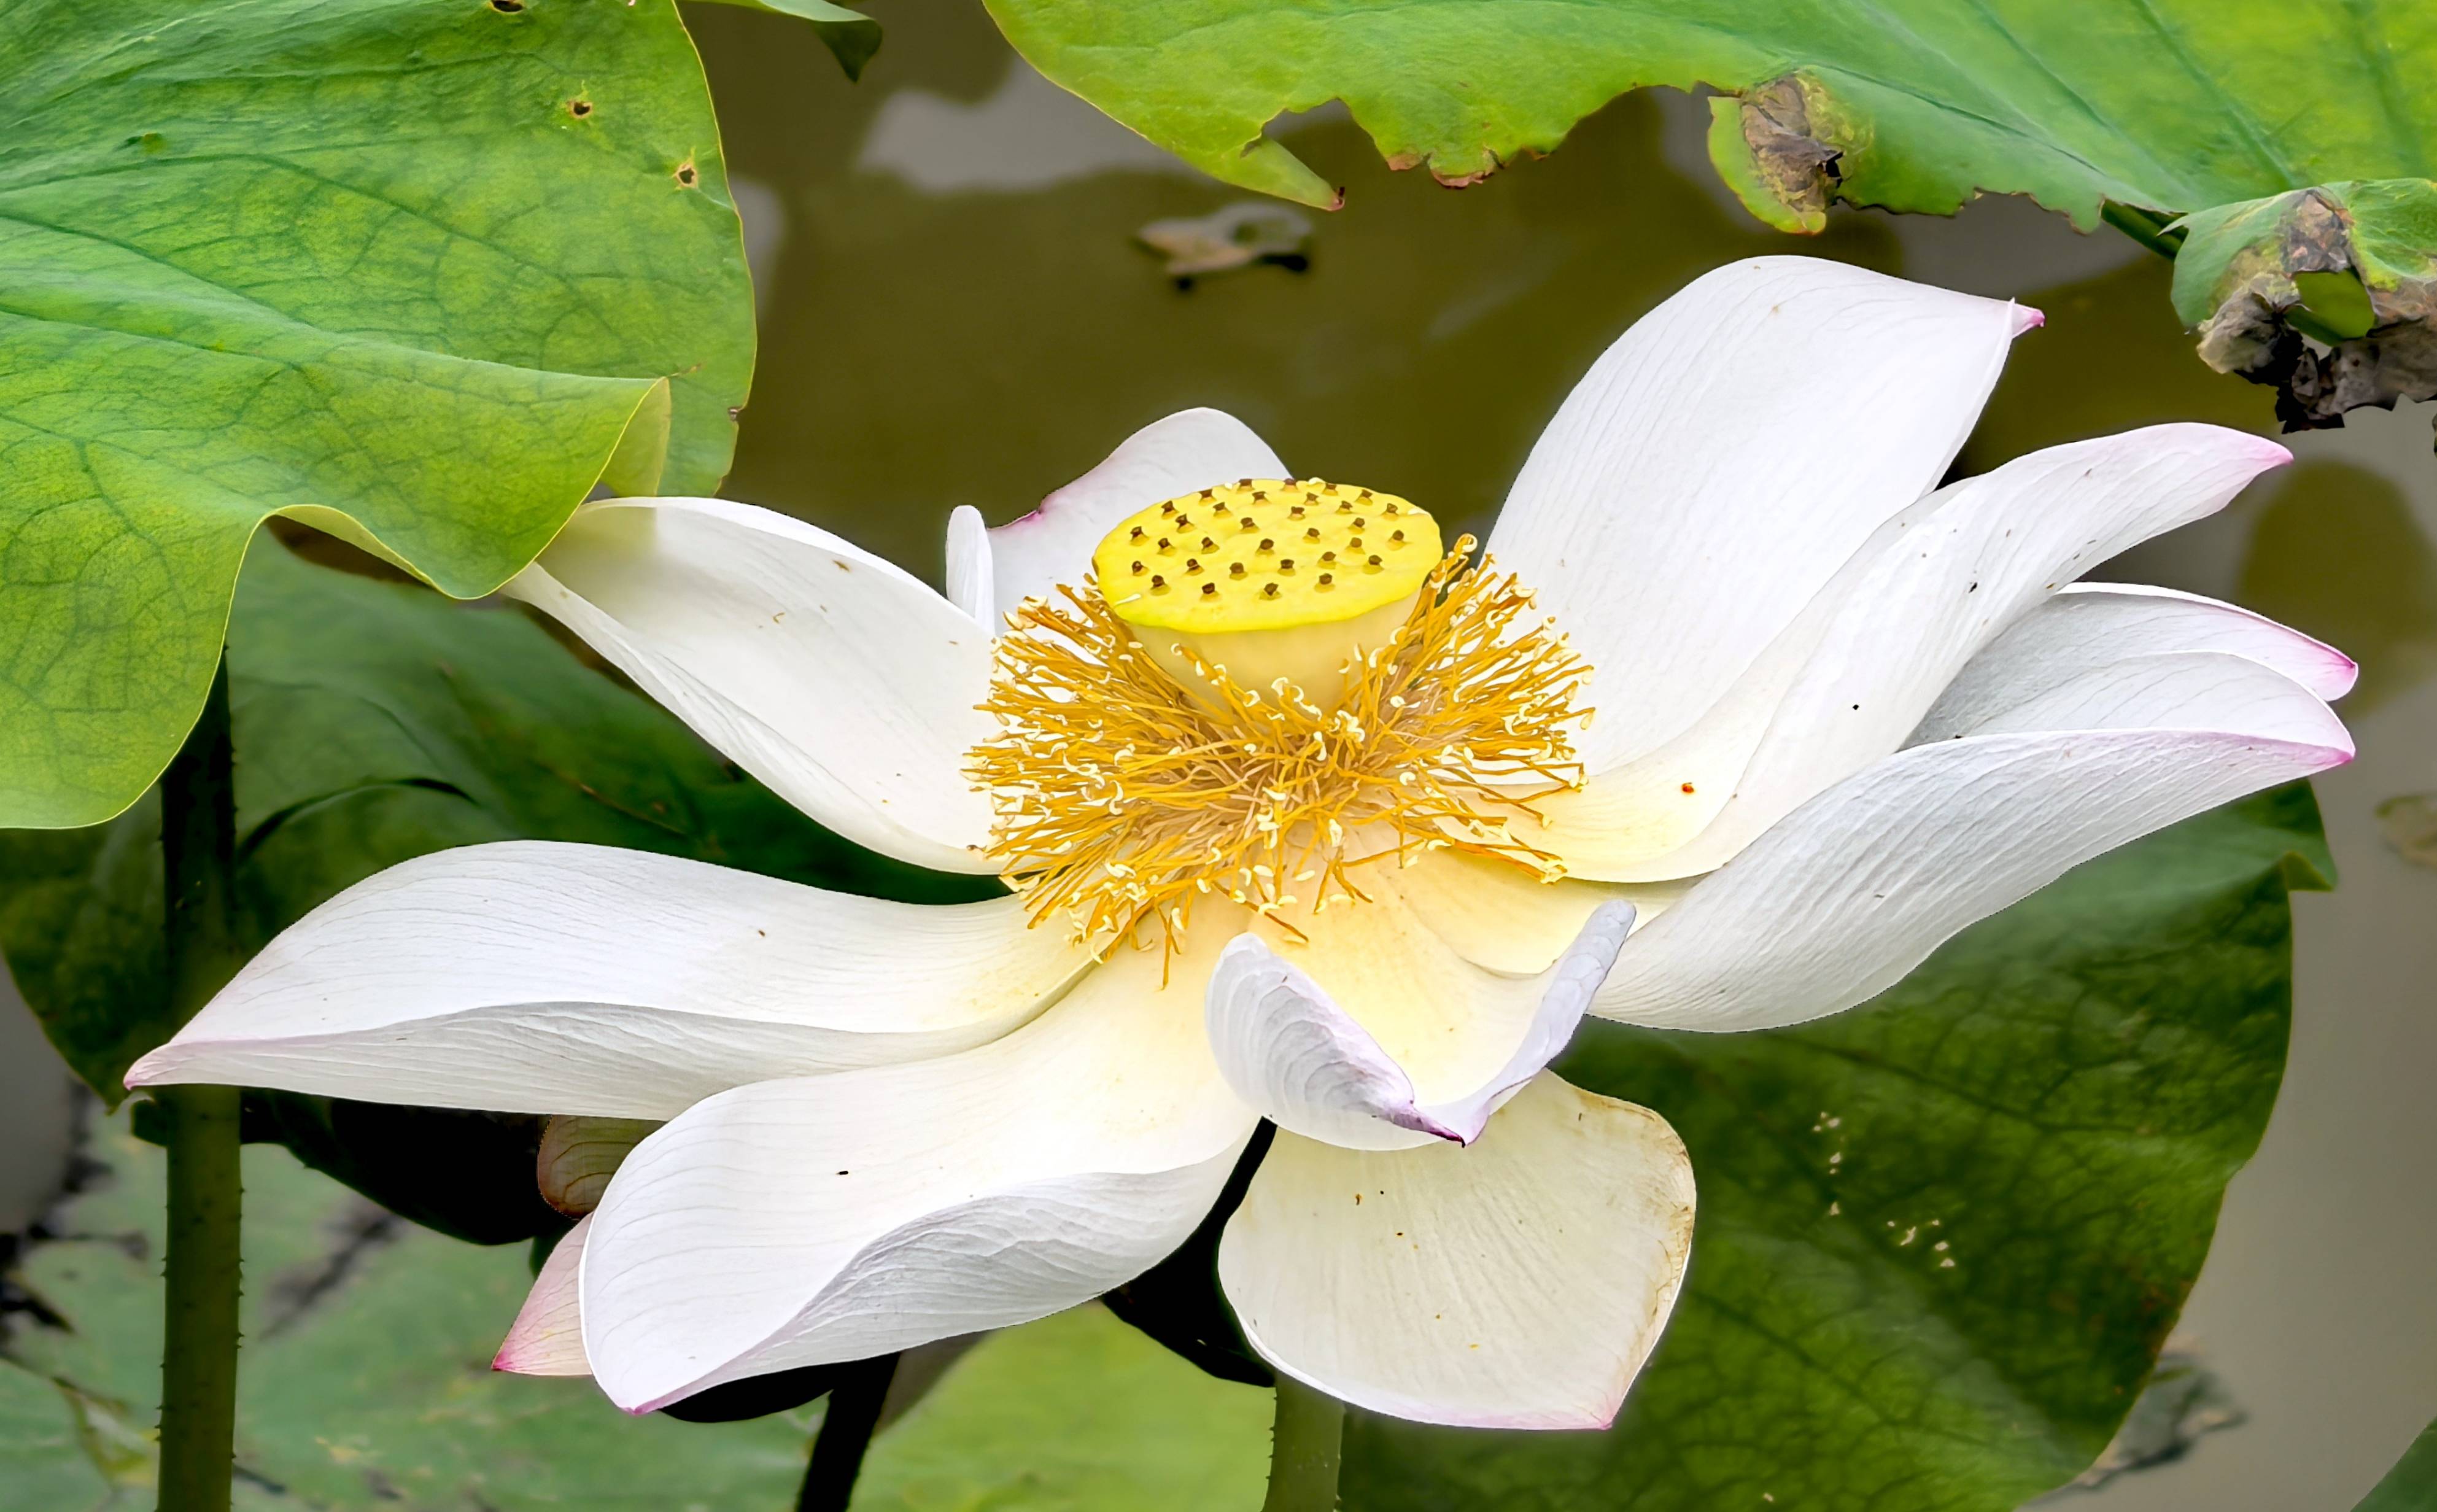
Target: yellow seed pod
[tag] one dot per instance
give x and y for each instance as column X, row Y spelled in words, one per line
column 1268, row 577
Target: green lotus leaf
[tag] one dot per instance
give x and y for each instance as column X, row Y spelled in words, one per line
column 2170, row 105
column 418, row 274
column 2411, row 1485
column 2133, row 111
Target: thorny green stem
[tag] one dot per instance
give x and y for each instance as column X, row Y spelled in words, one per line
column 846, row 1427
column 2144, row 227
column 199, row 1349
column 1304, row 1449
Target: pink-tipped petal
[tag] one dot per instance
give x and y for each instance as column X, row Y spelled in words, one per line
column 548, row 1336
column 1843, row 897
column 2088, row 625
column 1847, row 682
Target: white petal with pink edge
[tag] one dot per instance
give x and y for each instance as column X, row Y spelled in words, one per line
column 1935, row 586
column 1291, row 1052
column 823, row 1218
column 1851, row 890
column 542, row 978
column 830, row 674
column 548, row 1336
column 1716, row 465
column 1191, row 449
column 2088, row 625
column 1517, row 1283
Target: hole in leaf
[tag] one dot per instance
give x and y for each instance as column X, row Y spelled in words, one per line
column 507, row 7
column 579, row 108
column 686, row 174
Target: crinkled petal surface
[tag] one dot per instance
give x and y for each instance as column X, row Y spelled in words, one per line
column 548, row 1336
column 1188, row 450
column 815, row 1220
column 1708, row 474
column 1845, row 895
column 543, row 978
column 1519, row 1283
column 1297, row 1056
column 832, row 675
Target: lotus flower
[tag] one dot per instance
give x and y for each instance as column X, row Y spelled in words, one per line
column 1304, row 818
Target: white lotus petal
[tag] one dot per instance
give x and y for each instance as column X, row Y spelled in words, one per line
column 1847, row 682
column 2188, row 690
column 540, row 978
column 1498, row 915
column 1707, row 476
column 1855, row 888
column 1519, row 1283
column 972, row 576
column 1301, row 1061
column 2088, row 625
column 834, row 676
column 1189, row 450
column 833, row 1218
column 1977, row 556
column 548, row 1336
column 1448, row 1024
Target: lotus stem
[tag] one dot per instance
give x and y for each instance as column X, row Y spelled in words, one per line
column 199, row 1337
column 846, row 1427
column 1304, row 1445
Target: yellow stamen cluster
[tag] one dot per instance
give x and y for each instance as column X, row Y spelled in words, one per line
column 1119, row 796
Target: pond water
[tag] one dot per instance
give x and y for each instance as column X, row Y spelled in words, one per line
column 955, row 309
